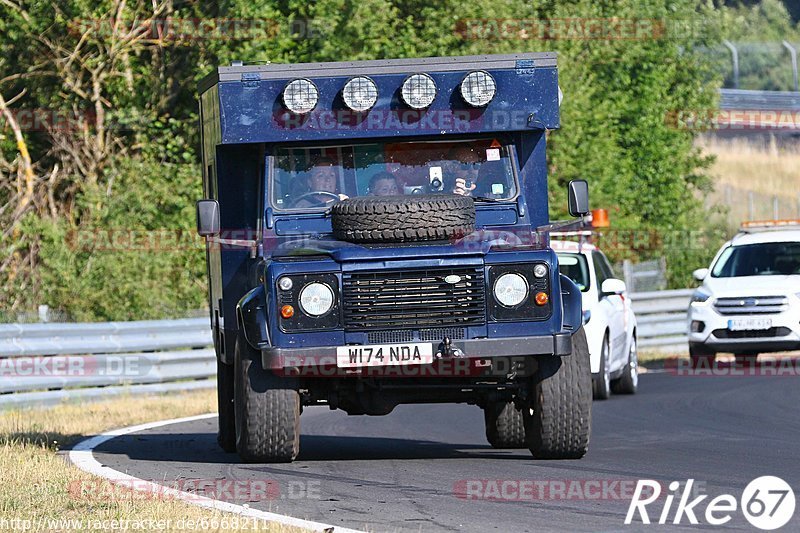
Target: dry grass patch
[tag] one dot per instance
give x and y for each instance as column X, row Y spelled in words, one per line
column 38, row 485
column 743, row 165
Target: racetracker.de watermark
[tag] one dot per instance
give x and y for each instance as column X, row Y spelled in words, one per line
column 750, row 367
column 560, row 29
column 178, row 30
column 521, row 490
column 584, row 29
column 227, row 490
column 174, row 240
column 41, row 119
column 121, row 367
column 733, row 119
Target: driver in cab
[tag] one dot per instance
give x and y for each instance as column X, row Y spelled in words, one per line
column 322, row 186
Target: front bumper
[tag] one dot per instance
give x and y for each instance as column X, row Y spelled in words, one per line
column 784, row 335
column 558, row 344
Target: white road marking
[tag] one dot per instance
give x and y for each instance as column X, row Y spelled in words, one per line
column 82, row 456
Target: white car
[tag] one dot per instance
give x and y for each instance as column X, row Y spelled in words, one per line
column 749, row 302
column 610, row 324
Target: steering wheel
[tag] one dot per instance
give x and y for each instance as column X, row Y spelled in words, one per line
column 333, row 196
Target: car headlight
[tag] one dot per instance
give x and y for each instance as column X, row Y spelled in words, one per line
column 316, row 299
column 511, row 289
column 699, row 297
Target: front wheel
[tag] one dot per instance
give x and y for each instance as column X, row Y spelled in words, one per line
column 700, row 356
column 601, row 382
column 558, row 421
column 267, row 410
column 505, row 428
column 628, row 382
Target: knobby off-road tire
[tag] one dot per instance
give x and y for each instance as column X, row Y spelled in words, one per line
column 226, row 435
column 374, row 219
column 267, row 410
column 505, row 428
column 559, row 421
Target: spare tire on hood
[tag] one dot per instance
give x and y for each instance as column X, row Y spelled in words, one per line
column 412, row 218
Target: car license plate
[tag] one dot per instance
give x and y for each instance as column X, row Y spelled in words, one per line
column 746, row 324
column 419, row 353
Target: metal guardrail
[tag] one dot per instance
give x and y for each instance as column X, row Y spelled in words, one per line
column 661, row 319
column 739, row 99
column 43, row 364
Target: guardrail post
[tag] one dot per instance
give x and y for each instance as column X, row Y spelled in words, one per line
column 627, row 275
column 793, row 52
column 735, row 59
column 751, row 205
column 775, row 208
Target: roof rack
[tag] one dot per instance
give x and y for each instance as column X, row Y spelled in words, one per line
column 755, row 226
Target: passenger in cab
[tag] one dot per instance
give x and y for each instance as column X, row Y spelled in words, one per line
column 383, row 184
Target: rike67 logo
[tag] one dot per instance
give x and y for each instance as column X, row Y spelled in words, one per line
column 767, row 502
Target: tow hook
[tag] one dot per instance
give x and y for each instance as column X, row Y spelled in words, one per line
column 446, row 350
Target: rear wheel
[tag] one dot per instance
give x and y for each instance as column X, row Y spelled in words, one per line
column 601, row 382
column 504, row 425
column 226, row 436
column 700, row 356
column 628, row 382
column 558, row 421
column 267, row 410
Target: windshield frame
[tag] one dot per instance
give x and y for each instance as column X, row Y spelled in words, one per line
column 506, row 140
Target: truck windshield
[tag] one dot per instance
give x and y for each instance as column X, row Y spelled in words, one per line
column 313, row 178
column 576, row 268
column 764, row 259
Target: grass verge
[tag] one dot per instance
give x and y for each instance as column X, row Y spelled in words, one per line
column 38, row 483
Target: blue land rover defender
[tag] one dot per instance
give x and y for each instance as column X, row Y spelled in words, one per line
column 377, row 234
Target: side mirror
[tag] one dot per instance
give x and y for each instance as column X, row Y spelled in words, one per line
column 207, row 218
column 700, row 274
column 613, row 286
column 578, row 195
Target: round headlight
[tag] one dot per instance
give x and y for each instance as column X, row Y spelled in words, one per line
column 418, row 91
column 540, row 271
column 360, row 94
column 510, row 289
column 478, row 88
column 316, row 299
column 300, row 96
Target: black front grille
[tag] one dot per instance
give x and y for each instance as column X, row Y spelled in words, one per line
column 752, row 334
column 413, row 299
column 408, row 335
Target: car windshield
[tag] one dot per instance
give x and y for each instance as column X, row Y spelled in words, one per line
column 576, row 268
column 764, row 259
column 309, row 178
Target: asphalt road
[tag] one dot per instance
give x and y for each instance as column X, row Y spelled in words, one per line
column 409, row 470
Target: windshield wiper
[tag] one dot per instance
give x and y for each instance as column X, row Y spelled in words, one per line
column 487, row 199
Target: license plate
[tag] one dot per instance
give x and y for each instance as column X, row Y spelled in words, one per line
column 745, row 324
column 420, row 353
